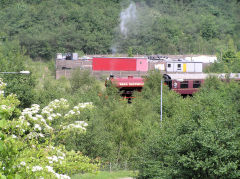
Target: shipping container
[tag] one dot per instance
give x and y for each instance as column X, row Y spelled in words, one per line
column 184, row 67
column 74, row 56
column 119, row 64
column 59, row 56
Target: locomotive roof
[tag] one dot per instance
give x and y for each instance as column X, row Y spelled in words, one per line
column 182, row 61
column 176, row 76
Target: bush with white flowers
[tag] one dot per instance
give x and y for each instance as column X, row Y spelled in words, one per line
column 27, row 147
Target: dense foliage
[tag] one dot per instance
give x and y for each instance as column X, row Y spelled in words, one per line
column 198, row 137
column 92, row 27
column 27, row 148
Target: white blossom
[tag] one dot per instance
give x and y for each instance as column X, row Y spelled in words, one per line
column 53, row 158
column 37, row 168
column 39, row 116
column 60, row 157
column 14, row 136
column 50, row 169
column 3, row 106
column 35, row 118
column 50, row 118
column 41, row 135
column 61, row 176
column 38, row 127
column 23, row 163
column 48, row 127
column 77, row 124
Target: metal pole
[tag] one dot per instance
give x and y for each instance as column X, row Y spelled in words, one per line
column 161, row 102
column 9, row 72
column 21, row 72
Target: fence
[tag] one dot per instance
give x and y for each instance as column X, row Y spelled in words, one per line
column 101, row 74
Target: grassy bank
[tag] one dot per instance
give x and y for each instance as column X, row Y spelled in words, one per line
column 106, row 175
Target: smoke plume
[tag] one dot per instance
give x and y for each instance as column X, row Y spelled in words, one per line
column 127, row 17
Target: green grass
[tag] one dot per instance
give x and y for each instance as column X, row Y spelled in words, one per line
column 106, row 175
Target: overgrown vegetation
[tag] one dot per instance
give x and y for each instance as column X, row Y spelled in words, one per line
column 229, row 62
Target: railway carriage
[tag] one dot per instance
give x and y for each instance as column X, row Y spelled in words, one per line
column 182, row 83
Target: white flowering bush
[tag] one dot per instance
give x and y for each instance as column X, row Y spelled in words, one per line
column 8, row 104
column 27, row 148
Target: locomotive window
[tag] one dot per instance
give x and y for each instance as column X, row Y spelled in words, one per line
column 184, row 84
column 169, row 65
column 196, row 84
column 179, row 65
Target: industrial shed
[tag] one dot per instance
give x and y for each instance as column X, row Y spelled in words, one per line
column 119, row 64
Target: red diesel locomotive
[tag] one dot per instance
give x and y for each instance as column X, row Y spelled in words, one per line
column 127, row 85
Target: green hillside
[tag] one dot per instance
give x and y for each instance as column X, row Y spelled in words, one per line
column 45, row 27
column 57, row 128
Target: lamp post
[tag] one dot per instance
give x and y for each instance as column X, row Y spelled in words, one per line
column 161, row 102
column 20, row 72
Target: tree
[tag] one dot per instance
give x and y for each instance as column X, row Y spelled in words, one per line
column 209, row 29
column 14, row 60
column 198, row 141
column 130, row 52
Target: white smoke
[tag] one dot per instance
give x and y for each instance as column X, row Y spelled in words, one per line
column 127, row 17
column 114, row 49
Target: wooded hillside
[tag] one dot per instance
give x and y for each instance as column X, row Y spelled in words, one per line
column 45, row 27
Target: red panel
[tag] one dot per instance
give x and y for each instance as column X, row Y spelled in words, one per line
column 128, row 82
column 114, row 64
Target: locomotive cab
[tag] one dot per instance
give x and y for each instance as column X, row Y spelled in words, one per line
column 167, row 80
